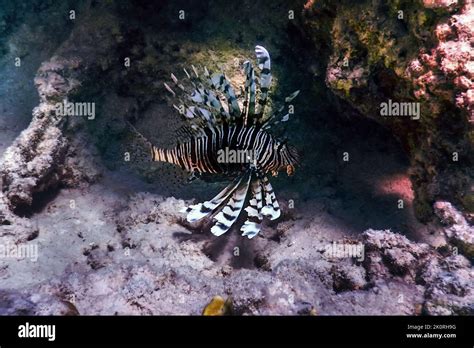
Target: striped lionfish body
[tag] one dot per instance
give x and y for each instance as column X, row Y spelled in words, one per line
column 227, row 134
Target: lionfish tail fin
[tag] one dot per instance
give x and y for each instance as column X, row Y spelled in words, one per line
column 140, row 146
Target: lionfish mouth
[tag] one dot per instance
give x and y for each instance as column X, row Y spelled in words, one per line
column 290, row 170
column 293, row 160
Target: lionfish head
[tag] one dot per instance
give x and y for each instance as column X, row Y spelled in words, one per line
column 290, row 158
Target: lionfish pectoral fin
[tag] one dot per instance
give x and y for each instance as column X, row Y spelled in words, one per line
column 271, row 208
column 231, row 212
column 250, row 229
column 198, row 211
column 252, row 225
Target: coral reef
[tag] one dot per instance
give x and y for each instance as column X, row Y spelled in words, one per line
column 458, row 231
column 152, row 265
column 108, row 231
column 446, row 278
column 41, row 158
column 408, row 51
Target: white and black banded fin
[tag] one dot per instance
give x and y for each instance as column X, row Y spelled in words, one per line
column 230, row 213
column 252, row 225
column 195, row 71
column 187, row 74
column 204, row 94
column 198, row 211
column 292, row 96
column 279, row 116
column 169, row 89
column 264, row 64
column 271, row 208
column 220, row 82
column 250, row 94
column 254, row 208
column 250, row 229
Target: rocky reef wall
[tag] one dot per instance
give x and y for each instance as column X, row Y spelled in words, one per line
column 408, row 51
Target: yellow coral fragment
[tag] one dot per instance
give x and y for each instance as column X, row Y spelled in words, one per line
column 218, row 307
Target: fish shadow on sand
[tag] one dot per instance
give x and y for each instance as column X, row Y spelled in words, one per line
column 229, row 249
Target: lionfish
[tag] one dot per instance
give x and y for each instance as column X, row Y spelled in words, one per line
column 216, row 119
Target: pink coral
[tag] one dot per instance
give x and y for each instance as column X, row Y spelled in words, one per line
column 439, row 3
column 450, row 63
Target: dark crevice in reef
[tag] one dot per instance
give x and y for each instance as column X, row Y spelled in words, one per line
column 40, row 200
